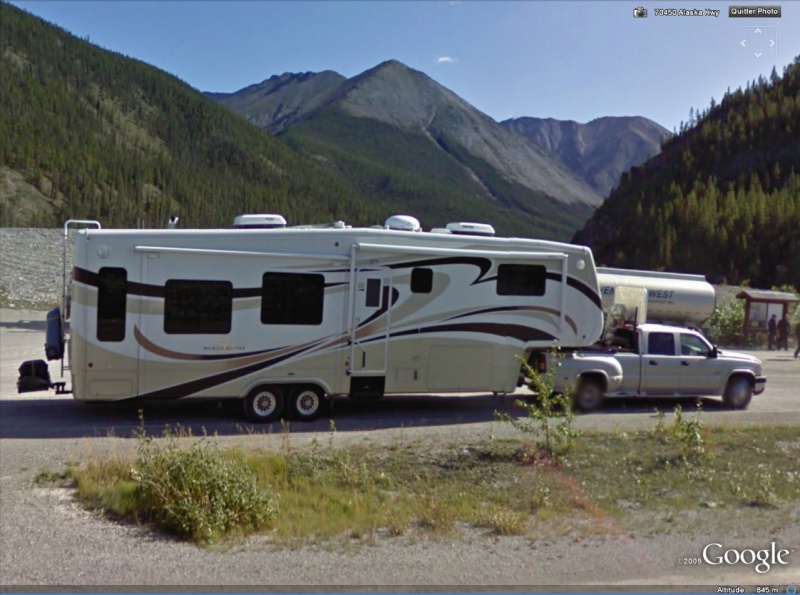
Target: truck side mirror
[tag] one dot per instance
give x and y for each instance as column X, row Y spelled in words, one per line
column 714, row 352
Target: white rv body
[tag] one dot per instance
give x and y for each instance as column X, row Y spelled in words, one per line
column 172, row 314
column 672, row 298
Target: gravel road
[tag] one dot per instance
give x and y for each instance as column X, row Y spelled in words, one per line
column 48, row 542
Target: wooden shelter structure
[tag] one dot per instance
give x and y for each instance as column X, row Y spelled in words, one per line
column 759, row 307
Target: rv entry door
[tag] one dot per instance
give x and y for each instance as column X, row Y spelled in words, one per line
column 370, row 323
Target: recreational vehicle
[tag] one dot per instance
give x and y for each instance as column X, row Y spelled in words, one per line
column 285, row 318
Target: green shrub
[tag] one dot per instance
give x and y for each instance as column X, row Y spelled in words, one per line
column 198, row 493
column 550, row 414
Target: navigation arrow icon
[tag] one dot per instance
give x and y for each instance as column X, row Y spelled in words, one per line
column 758, row 54
column 771, row 43
column 743, row 44
column 758, row 31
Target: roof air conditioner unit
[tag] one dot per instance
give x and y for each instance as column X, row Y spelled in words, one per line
column 259, row 222
column 471, row 229
column 403, row 223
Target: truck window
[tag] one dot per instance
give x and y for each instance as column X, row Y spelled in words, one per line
column 112, row 286
column 521, row 279
column 693, row 345
column 661, row 344
column 292, row 298
column 197, row 307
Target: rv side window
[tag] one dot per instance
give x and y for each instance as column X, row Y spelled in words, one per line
column 521, row 279
column 421, row 280
column 292, row 298
column 373, row 299
column 197, row 307
column 112, row 288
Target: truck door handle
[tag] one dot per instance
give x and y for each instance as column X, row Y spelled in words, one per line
column 684, row 363
column 653, row 363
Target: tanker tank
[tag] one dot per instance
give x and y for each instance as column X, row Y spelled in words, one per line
column 672, row 298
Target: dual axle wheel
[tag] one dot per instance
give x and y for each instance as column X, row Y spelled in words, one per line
column 267, row 403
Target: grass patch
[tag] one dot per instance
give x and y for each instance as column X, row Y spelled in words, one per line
column 190, row 488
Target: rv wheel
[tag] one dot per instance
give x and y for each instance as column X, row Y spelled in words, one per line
column 263, row 404
column 589, row 395
column 306, row 402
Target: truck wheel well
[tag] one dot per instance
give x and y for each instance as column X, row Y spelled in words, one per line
column 597, row 377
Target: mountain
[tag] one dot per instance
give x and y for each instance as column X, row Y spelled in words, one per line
column 721, row 199
column 87, row 133
column 282, row 100
column 600, row 151
column 406, row 141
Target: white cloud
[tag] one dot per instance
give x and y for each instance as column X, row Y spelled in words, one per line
column 446, row 60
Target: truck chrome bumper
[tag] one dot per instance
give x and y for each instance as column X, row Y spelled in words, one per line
column 760, row 384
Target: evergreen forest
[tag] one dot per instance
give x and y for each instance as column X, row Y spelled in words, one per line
column 721, row 199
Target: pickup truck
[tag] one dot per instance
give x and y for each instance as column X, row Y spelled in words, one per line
column 653, row 360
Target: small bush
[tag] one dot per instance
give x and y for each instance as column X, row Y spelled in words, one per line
column 198, row 493
column 503, row 521
column 550, row 414
column 689, row 434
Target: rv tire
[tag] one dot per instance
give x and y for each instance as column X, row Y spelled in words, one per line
column 306, row 402
column 589, row 395
column 264, row 404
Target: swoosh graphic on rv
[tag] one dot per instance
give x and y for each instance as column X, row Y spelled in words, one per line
column 552, row 311
column 164, row 352
column 516, row 331
column 384, row 305
column 483, row 264
column 194, row 386
column 580, row 286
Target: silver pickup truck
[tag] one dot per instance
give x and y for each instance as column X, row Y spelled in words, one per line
column 653, row 360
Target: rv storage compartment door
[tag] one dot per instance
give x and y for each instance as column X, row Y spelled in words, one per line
column 369, row 349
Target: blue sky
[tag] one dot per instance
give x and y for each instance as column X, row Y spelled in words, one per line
column 563, row 59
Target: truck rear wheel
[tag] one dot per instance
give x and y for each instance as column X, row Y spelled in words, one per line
column 589, row 395
column 263, row 404
column 738, row 393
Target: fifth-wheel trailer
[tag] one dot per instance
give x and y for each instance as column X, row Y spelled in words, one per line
column 285, row 318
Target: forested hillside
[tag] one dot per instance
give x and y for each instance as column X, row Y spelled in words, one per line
column 98, row 135
column 722, row 198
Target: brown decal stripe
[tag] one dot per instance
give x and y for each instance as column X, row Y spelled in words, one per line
column 384, row 305
column 580, row 286
column 552, row 311
column 153, row 348
column 483, row 264
column 186, row 389
column 515, row 331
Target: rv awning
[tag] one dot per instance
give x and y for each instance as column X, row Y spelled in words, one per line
column 772, row 297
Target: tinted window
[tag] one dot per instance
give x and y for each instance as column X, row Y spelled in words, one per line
column 521, row 279
column 198, row 307
column 292, row 298
column 661, row 344
column 421, row 280
column 112, row 289
column 373, row 293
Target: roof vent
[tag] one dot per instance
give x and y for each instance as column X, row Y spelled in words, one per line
column 471, row 229
column 259, row 222
column 403, row 223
